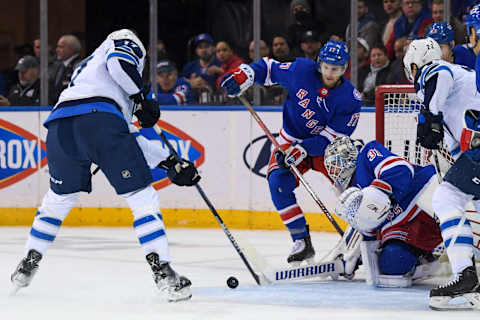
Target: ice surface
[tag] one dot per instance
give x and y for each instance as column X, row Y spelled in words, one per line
column 101, row 273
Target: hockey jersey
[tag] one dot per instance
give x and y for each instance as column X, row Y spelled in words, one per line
column 103, row 82
column 449, row 88
column 180, row 94
column 402, row 181
column 464, row 56
column 312, row 114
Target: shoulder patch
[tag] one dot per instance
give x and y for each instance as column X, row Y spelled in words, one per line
column 356, row 94
column 285, row 65
column 372, row 154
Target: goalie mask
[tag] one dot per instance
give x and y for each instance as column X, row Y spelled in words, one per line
column 340, row 160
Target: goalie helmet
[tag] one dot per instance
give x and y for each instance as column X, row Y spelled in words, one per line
column 126, row 34
column 340, row 160
column 421, row 52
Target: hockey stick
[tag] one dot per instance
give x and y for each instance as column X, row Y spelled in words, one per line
column 212, row 209
column 293, row 168
column 320, row 269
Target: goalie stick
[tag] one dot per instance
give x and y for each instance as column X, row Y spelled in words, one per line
column 255, row 276
column 294, row 168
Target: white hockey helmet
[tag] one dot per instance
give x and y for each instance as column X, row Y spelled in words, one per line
column 129, row 35
column 420, row 52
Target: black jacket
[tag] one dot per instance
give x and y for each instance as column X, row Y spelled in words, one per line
column 25, row 96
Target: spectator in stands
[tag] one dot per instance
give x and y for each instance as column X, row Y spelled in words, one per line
column 172, row 90
column 26, row 92
column 310, row 44
column 301, row 10
column 264, row 50
column 228, row 59
column 368, row 28
column 393, row 8
column 68, row 56
column 363, row 56
column 281, row 49
column 397, row 70
column 370, row 77
column 199, row 72
column 36, row 51
column 413, row 22
column 161, row 54
column 460, row 32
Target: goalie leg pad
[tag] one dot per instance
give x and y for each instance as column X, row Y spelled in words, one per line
column 397, row 258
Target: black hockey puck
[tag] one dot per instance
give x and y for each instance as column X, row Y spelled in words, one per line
column 232, row 282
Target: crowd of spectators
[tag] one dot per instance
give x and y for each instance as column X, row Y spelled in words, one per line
column 381, row 45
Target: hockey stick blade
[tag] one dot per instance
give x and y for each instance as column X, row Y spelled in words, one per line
column 316, row 270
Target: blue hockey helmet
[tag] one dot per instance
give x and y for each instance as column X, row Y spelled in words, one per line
column 473, row 19
column 442, row 32
column 334, row 52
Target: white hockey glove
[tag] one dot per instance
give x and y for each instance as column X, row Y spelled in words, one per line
column 364, row 209
column 294, row 155
column 348, row 251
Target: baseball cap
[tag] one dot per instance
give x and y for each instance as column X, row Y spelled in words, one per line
column 166, row 66
column 309, row 35
column 26, row 63
column 364, row 43
column 203, row 37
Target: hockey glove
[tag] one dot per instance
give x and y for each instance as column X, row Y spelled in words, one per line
column 238, row 81
column 294, row 155
column 180, row 172
column 148, row 109
column 430, row 129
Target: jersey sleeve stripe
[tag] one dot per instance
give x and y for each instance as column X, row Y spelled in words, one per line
column 122, row 56
column 389, row 163
column 382, row 185
column 179, row 97
column 268, row 79
column 285, row 136
column 130, row 53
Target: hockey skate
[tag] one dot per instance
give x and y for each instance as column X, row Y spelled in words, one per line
column 26, row 269
column 302, row 251
column 171, row 284
column 464, row 285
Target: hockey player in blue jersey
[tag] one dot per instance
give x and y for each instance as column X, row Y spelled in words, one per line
column 442, row 32
column 321, row 105
column 387, row 200
column 91, row 123
column 450, row 116
column 172, row 90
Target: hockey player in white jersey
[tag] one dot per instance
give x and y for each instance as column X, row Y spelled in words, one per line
column 91, row 123
column 450, row 116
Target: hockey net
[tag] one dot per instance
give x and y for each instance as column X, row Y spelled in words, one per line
column 396, row 109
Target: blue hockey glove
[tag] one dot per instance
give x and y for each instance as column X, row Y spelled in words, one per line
column 430, row 129
column 238, row 81
column 148, row 109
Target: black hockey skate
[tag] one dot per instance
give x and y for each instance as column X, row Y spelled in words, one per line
column 464, row 284
column 175, row 287
column 302, row 250
column 26, row 269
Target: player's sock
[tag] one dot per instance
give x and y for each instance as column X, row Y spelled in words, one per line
column 148, row 223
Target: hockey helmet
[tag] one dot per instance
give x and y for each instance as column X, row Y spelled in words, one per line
column 473, row 19
column 340, row 160
column 334, row 52
column 126, row 34
column 442, row 32
column 421, row 52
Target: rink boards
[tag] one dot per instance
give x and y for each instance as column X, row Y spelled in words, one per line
column 226, row 144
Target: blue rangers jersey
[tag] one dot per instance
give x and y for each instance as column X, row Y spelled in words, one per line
column 463, row 55
column 312, row 114
column 401, row 180
column 104, row 82
column 180, row 94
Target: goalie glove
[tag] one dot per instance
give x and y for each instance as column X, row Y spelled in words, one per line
column 238, row 81
column 348, row 251
column 147, row 108
column 364, row 209
column 180, row 172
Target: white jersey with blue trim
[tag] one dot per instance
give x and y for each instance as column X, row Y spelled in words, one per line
column 113, row 71
column 450, row 89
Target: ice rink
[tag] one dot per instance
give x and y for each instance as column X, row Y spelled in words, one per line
column 101, row 273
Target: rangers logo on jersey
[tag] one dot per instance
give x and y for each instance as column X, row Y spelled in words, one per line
column 323, row 92
column 186, row 147
column 19, row 154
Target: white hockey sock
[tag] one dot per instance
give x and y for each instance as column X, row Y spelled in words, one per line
column 48, row 220
column 148, row 223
